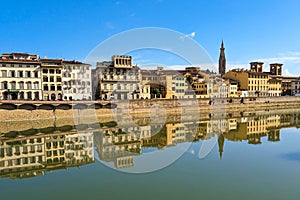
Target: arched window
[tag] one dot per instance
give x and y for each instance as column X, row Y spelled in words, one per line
column 36, row 85
column 13, row 85
column 21, row 85
column 4, row 85
column 21, row 95
column 29, row 95
column 29, row 86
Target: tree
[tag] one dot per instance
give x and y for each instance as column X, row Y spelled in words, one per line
column 189, row 79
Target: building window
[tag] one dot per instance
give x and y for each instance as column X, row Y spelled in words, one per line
column 22, row 95
column 36, row 85
column 21, row 85
column 12, row 74
column 4, row 73
column 58, row 79
column 36, row 74
column 20, row 74
column 13, row 85
column 45, row 78
column 58, row 71
column 51, row 78
column 28, row 74
column 59, row 87
column 51, row 71
column 52, row 87
column 29, row 86
column 36, row 96
column 29, row 95
column 45, row 71
column 4, row 85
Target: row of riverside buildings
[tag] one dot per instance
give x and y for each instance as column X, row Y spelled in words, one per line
column 29, row 77
column 119, row 79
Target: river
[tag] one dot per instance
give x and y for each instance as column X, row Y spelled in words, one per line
column 253, row 157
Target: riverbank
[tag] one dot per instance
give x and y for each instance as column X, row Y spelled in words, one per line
column 94, row 111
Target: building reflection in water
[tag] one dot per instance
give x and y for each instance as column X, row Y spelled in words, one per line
column 31, row 153
column 23, row 157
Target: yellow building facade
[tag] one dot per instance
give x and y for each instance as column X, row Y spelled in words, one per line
column 256, row 83
column 274, row 87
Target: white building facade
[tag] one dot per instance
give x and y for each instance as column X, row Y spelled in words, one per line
column 77, row 81
column 118, row 79
column 20, row 77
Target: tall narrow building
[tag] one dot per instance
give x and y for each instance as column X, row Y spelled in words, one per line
column 222, row 60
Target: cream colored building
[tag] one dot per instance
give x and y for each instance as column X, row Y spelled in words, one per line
column 20, row 77
column 52, row 79
column 169, row 84
column 174, row 83
column 145, row 91
column 77, row 80
column 118, row 79
column 232, row 89
column 217, row 88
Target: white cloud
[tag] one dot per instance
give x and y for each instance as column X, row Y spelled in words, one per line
column 290, row 61
column 190, row 35
column 289, row 57
column 287, row 73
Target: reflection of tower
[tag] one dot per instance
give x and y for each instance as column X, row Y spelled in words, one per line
column 221, row 144
column 274, row 136
column 222, row 60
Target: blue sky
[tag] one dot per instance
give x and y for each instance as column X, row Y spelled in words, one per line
column 252, row 30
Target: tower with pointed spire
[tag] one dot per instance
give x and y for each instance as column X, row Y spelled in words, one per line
column 222, row 60
column 221, row 145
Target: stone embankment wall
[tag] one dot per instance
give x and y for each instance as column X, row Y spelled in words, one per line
column 136, row 108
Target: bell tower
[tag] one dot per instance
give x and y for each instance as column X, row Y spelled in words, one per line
column 222, row 60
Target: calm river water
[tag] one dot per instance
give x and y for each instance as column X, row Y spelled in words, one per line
column 254, row 157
